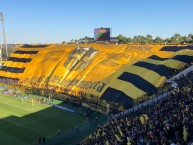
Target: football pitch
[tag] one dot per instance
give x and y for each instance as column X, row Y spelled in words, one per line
column 22, row 123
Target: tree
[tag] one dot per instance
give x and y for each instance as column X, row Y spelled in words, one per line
column 129, row 40
column 158, row 40
column 173, row 40
column 76, row 41
column 124, row 40
column 143, row 40
column 87, row 39
column 80, row 41
column 120, row 38
column 63, row 42
column 184, row 40
column 167, row 41
column 176, row 39
column 72, row 41
column 190, row 38
column 135, row 40
column 149, row 39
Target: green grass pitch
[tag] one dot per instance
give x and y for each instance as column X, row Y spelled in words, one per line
column 22, row 123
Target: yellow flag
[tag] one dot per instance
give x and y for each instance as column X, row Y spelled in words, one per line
column 128, row 123
column 146, row 117
column 141, row 118
column 98, row 133
column 128, row 141
column 150, row 126
column 103, row 133
column 120, row 131
column 90, row 136
column 185, row 134
column 118, row 138
column 107, row 142
column 127, row 120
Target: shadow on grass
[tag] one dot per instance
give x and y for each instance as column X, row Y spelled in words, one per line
column 27, row 129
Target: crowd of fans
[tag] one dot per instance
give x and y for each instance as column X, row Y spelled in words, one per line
column 166, row 122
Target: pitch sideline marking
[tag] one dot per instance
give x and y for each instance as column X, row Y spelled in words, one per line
column 16, row 106
column 27, row 122
column 20, row 124
column 28, row 110
column 10, row 122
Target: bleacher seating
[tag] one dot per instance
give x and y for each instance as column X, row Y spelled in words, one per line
column 168, row 121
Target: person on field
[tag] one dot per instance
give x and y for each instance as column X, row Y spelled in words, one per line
column 43, row 140
column 39, row 140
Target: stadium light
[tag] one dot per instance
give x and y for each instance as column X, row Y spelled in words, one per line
column 2, row 20
column 1, row 54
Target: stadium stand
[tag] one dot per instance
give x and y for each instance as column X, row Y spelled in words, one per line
column 167, row 121
column 101, row 76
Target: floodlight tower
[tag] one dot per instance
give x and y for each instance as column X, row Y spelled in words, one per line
column 2, row 20
column 1, row 53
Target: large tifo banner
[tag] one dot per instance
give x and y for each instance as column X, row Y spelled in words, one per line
column 115, row 73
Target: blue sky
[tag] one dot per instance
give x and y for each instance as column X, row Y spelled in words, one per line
column 54, row 21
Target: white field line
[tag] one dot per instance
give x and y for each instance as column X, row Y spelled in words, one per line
column 27, row 122
column 8, row 101
column 29, row 103
column 10, row 122
column 34, row 120
column 28, row 110
column 35, row 106
column 17, row 106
